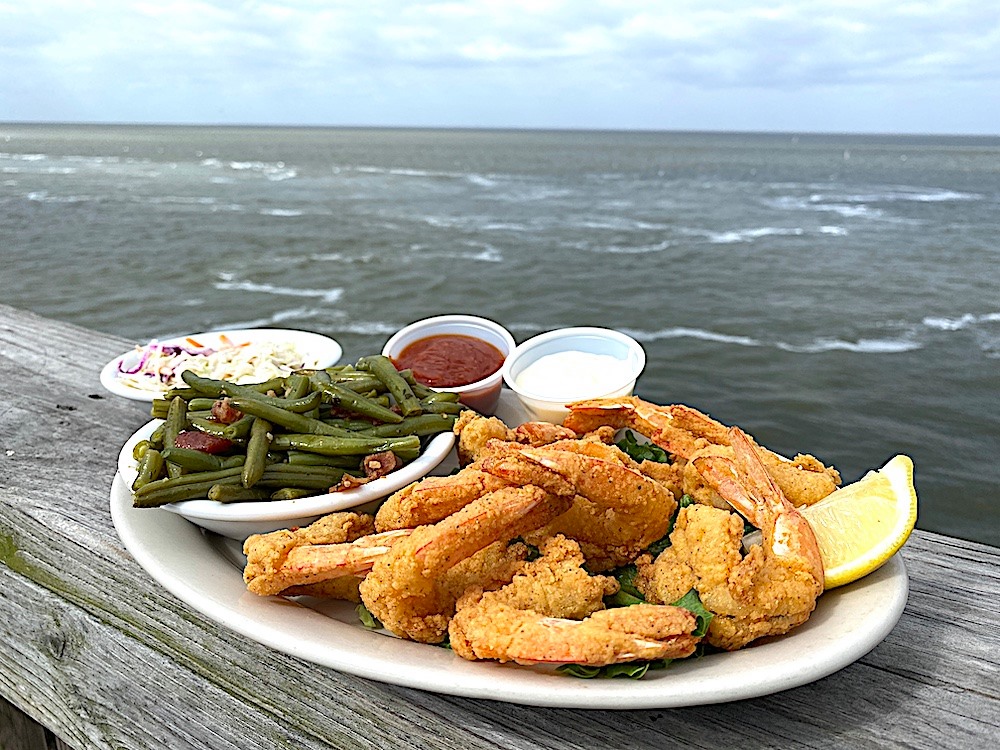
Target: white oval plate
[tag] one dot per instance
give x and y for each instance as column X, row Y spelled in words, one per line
column 318, row 351
column 240, row 520
column 205, row 572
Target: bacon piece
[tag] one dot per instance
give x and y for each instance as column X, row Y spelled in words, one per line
column 202, row 441
column 223, row 411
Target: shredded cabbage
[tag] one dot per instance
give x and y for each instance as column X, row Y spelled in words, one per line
column 159, row 366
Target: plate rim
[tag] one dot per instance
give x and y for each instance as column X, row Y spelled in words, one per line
column 108, row 374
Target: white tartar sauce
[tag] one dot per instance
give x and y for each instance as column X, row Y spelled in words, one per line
column 571, row 376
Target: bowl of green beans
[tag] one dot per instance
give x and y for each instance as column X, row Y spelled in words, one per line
column 252, row 458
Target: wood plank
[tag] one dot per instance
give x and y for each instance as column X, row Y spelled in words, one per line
column 92, row 648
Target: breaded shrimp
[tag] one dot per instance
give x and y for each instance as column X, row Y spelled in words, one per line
column 617, row 511
column 275, row 569
column 611, row 636
column 553, row 612
column 405, row 589
column 687, row 433
column 770, row 590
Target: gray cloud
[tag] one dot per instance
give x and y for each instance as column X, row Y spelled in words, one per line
column 430, row 63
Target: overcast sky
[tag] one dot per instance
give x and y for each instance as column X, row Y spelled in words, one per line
column 900, row 66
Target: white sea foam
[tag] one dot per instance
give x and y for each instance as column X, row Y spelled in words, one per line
column 960, row 322
column 823, row 344
column 227, row 283
column 23, row 157
column 681, row 332
column 637, row 249
column 43, row 196
column 368, row 328
column 275, row 171
column 862, row 346
column 749, row 235
column 281, row 212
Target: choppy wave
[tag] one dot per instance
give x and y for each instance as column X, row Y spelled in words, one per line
column 862, row 346
column 227, row 283
column 286, row 212
column 472, row 178
column 753, row 233
column 962, row 321
column 818, row 345
column 275, row 171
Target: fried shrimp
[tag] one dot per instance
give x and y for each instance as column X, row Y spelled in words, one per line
column 279, row 570
column 553, row 612
column 474, row 431
column 611, row 636
column 687, row 434
column 327, row 556
column 617, row 511
column 405, row 589
column 770, row 590
column 451, row 556
column 434, row 498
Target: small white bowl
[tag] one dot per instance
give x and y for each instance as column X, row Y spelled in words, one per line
column 240, row 520
column 545, row 393
column 481, row 395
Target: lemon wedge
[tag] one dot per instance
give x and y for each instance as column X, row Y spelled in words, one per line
column 863, row 524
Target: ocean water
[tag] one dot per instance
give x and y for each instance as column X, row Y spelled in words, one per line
column 835, row 295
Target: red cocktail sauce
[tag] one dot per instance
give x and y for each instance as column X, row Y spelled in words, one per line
column 449, row 360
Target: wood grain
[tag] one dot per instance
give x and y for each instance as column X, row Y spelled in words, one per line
column 95, row 651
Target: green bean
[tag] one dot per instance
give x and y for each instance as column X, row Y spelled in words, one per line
column 159, row 407
column 297, row 385
column 345, row 446
column 291, row 493
column 174, row 424
column 351, row 425
column 201, row 403
column 419, row 389
column 185, row 393
column 139, row 449
column 150, row 468
column 308, row 477
column 382, row 368
column 257, row 447
column 287, row 419
column 209, row 387
column 238, row 429
column 443, row 407
column 184, row 487
column 195, row 460
column 435, row 397
column 423, row 424
column 305, row 458
column 197, row 485
column 364, row 384
column 201, row 477
column 232, row 493
column 156, row 436
column 347, row 399
column 210, row 426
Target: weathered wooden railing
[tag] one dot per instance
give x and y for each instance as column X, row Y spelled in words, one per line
column 95, row 651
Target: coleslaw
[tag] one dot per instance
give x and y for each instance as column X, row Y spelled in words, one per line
column 157, row 367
